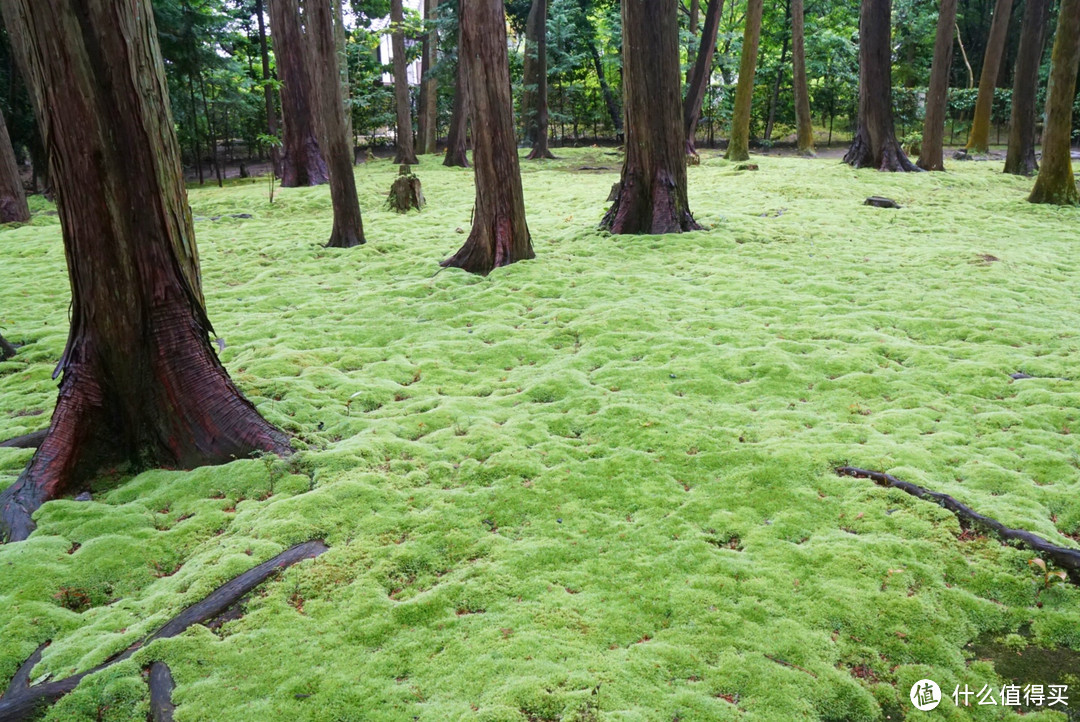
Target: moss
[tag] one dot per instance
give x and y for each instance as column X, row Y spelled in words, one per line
column 596, row 485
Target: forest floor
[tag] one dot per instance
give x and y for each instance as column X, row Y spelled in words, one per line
column 596, row 485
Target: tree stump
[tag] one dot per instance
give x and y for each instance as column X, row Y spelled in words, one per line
column 405, row 194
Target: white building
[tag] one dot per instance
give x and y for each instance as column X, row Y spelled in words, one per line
column 386, row 52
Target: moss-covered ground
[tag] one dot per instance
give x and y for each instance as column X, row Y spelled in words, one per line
column 597, row 485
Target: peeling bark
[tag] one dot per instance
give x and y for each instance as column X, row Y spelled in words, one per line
column 931, row 149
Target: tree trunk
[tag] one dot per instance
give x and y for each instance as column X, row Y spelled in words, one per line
column 931, row 150
column 456, row 155
column 500, row 235
column 771, row 122
column 979, row 137
column 427, row 118
column 341, row 43
column 141, row 382
column 1020, row 159
column 534, row 97
column 875, row 144
column 699, row 75
column 13, row 206
column 302, row 163
column 652, row 190
column 406, row 153
column 804, row 122
column 1056, row 183
column 348, row 230
column 610, row 100
column 739, row 143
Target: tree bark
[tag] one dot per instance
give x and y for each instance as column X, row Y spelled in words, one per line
column 931, row 149
column 804, row 121
column 698, row 82
column 979, row 137
column 775, row 97
column 652, row 191
column 427, row 118
column 406, row 151
column 271, row 110
column 456, row 155
column 500, row 235
column 341, row 41
column 1020, row 158
column 13, row 207
column 302, row 163
column 739, row 143
column 1056, row 183
column 348, row 230
column 534, row 97
column 875, row 144
column 141, row 382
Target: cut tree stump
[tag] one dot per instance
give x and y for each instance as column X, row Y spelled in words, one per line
column 881, row 202
column 406, row 193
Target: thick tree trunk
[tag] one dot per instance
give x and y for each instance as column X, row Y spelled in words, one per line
column 271, row 110
column 1056, row 183
column 610, row 100
column 739, row 143
column 456, row 155
column 13, row 206
column 348, row 230
column 875, row 144
column 698, row 81
column 534, row 97
column 6, row 349
column 500, row 235
column 406, row 152
column 302, row 163
column 652, row 190
column 341, row 42
column 979, row 137
column 804, row 122
column 1020, row 158
column 141, row 382
column 427, row 118
column 931, row 149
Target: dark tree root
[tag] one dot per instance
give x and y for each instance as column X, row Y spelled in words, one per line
column 6, row 349
column 21, row 681
column 21, row 702
column 1064, row 557
column 161, row 685
column 26, row 441
column 538, row 153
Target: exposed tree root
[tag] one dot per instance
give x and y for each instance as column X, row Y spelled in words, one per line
column 26, row 441
column 161, row 686
column 6, row 349
column 21, row 702
column 1064, row 557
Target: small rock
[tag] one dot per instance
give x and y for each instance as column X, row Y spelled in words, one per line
column 881, row 202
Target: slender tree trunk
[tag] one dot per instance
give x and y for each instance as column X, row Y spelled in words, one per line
column 500, row 235
column 271, row 110
column 341, row 43
column 406, row 152
column 195, row 129
column 931, row 150
column 651, row 196
column 534, row 98
column 804, row 121
column 979, row 137
column 302, row 163
column 141, row 382
column 210, row 132
column 610, row 100
column 691, row 49
column 427, row 119
column 1056, row 183
column 698, row 82
column 6, row 349
column 456, row 155
column 13, row 206
column 875, row 144
column 1020, row 158
column 348, row 230
column 739, row 143
column 775, row 98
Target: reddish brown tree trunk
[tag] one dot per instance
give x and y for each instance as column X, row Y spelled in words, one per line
column 348, row 230
column 13, row 206
column 429, row 90
column 456, row 155
column 1056, row 183
column 1020, row 158
column 302, row 163
column 979, row 137
column 931, row 149
column 875, row 144
column 739, row 143
column 698, row 81
column 804, row 122
column 500, row 235
column 534, row 96
column 271, row 110
column 406, row 150
column 141, row 382
column 651, row 197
